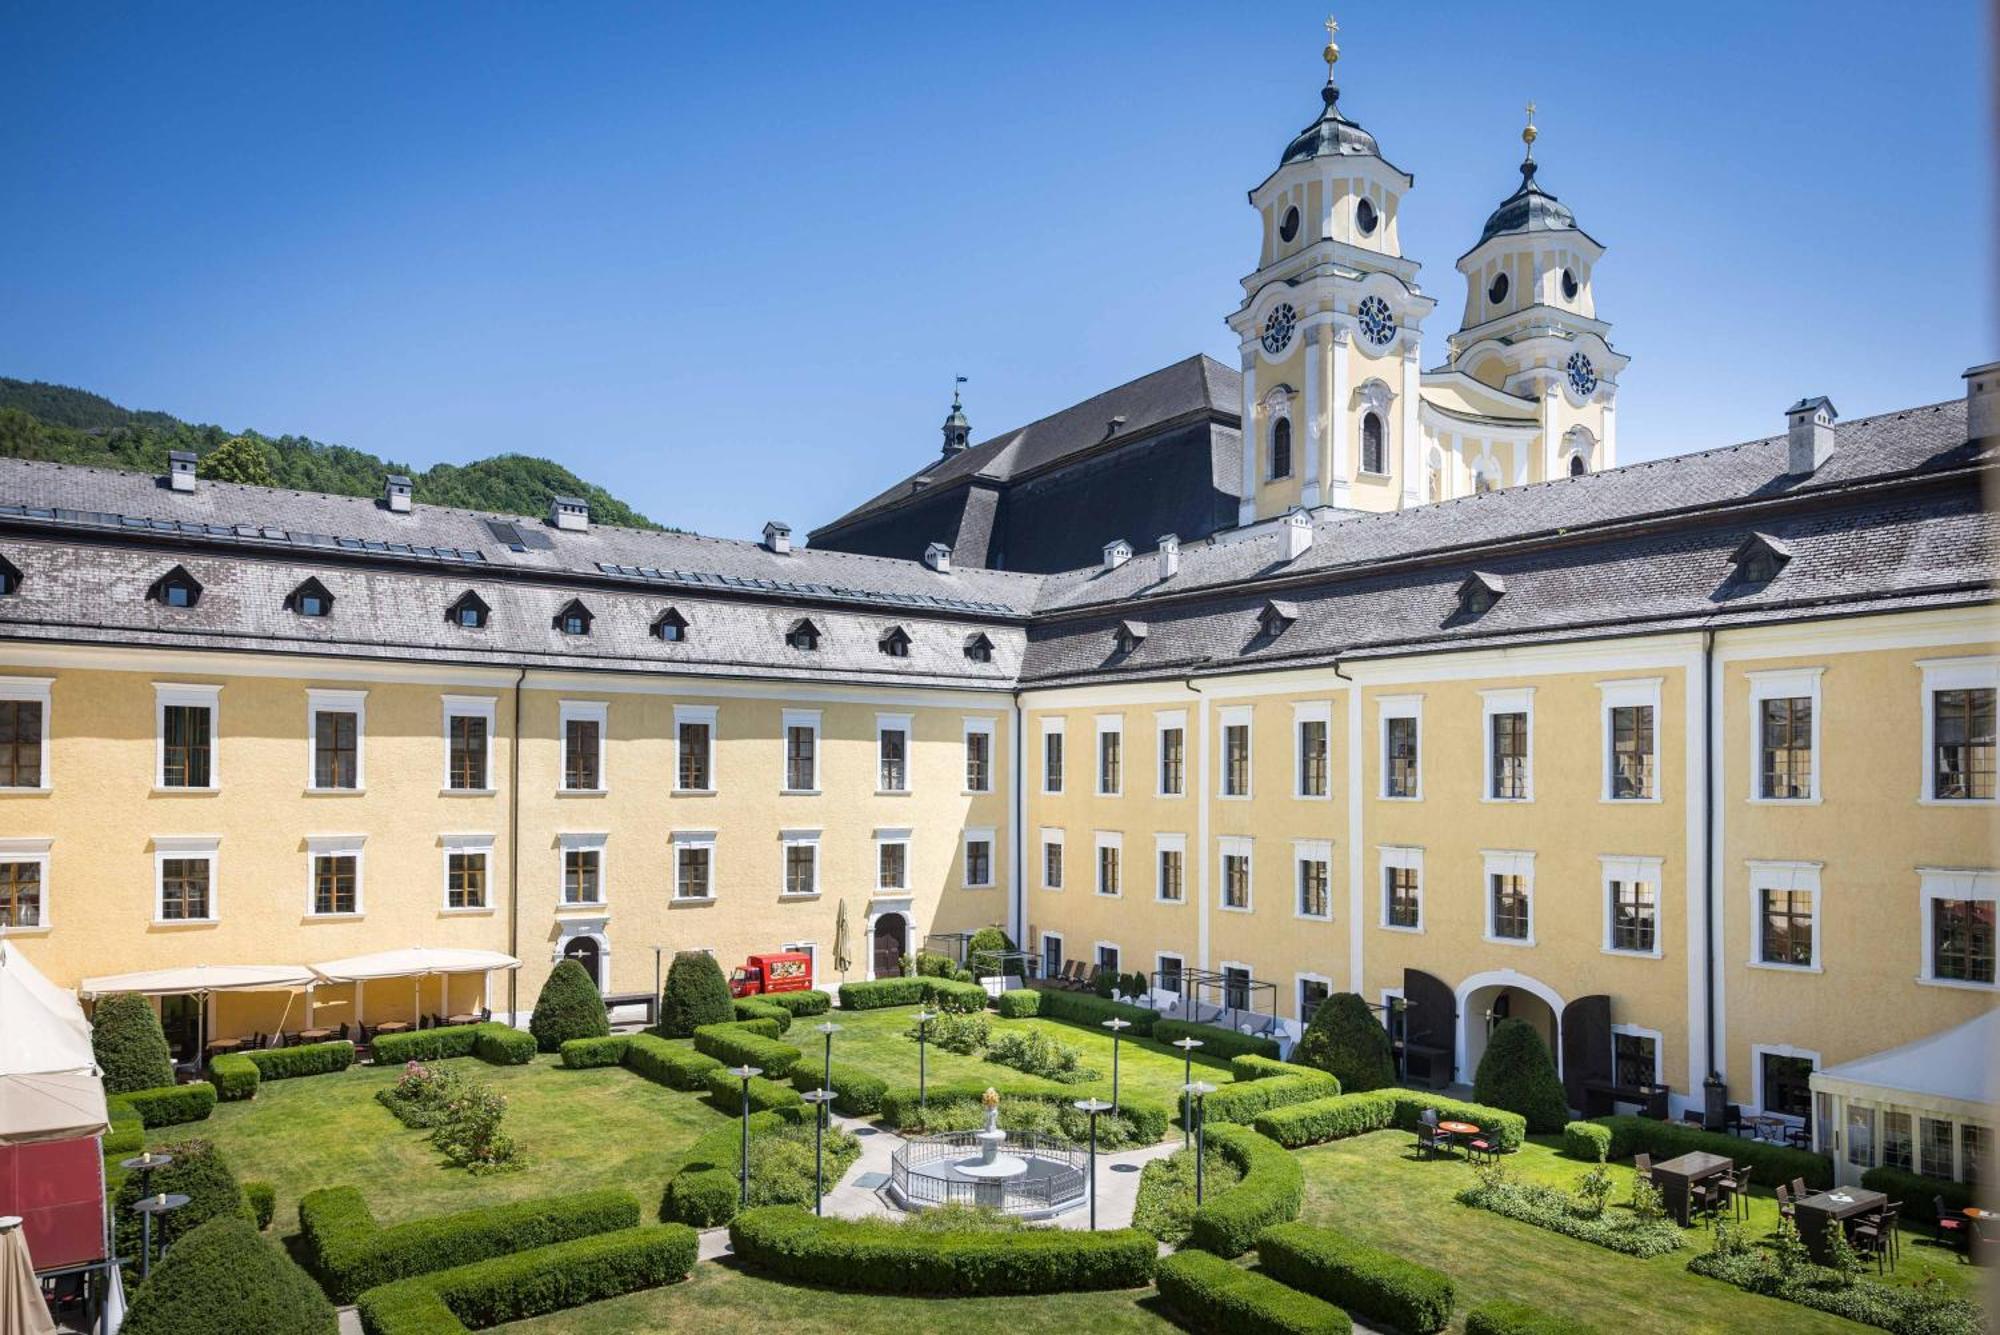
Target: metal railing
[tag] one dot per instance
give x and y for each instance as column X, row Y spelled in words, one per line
column 916, row 1177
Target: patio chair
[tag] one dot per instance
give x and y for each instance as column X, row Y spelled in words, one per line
column 1953, row 1228
column 1799, row 1191
column 1733, row 1123
column 485, row 1014
column 340, row 1034
column 1429, row 1138
column 1786, row 1210
column 1484, row 1147
column 1642, row 1167
column 1071, row 976
column 1738, row 1185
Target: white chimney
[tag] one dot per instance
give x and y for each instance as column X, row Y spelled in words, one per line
column 938, row 557
column 1809, row 434
column 1982, row 402
column 1170, row 555
column 180, row 470
column 778, row 537
column 568, row 512
column 1116, row 554
column 1297, row 529
column 396, row 493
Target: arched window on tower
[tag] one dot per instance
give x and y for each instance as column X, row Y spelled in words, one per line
column 1578, row 465
column 1374, row 447
column 1434, row 476
column 1281, row 448
column 1485, row 478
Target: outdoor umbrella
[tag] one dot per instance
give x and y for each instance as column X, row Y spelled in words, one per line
column 842, row 948
column 22, row 1311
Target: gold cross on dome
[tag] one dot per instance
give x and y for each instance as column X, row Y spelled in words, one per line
column 1528, row 134
column 1332, row 52
column 1332, row 27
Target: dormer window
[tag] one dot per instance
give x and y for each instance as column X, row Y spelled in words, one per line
column 803, row 635
column 1760, row 558
column 10, row 578
column 310, row 599
column 1130, row 635
column 978, row 648
column 574, row 619
column 1479, row 592
column 896, row 643
column 470, row 612
column 670, row 626
column 1277, row 615
column 176, row 588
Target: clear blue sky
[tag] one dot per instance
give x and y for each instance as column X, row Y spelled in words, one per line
column 725, row 260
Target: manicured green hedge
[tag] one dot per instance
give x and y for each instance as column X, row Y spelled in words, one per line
column 1018, row 1004
column 1587, row 1141
column 350, row 1252
column 1907, row 1309
column 171, row 1105
column 1379, row 1286
column 1208, row 1293
column 234, row 1076
column 748, row 1043
column 1215, row 1040
column 879, row 1256
column 496, row 1043
column 130, row 1047
column 800, row 1004
column 532, row 1283
column 880, row 992
column 1664, row 1140
column 703, row 1191
column 1504, row 1316
column 726, row 1091
column 303, row 1059
column 756, row 1008
column 860, row 1090
column 582, row 1054
column 954, row 997
column 1266, row 1084
column 1145, row 1120
column 1087, row 1008
column 668, row 1064
column 128, row 1130
column 260, row 1203
column 1272, row 1191
column 570, row 1006
column 1918, row 1193
column 1347, row 1115
column 222, row 1279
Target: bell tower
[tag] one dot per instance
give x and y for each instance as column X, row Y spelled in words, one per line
column 957, row 431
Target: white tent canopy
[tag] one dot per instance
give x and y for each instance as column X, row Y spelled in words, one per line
column 1945, row 1072
column 415, row 962
column 50, row 1088
column 203, row 978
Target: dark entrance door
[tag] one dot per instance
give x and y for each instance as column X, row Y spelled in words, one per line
column 891, row 935
column 1430, row 1027
column 180, row 1017
column 1586, row 1054
column 585, row 951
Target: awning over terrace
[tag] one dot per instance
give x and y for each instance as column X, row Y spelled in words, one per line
column 49, row 1084
column 415, row 962
column 1918, row 1105
column 202, row 978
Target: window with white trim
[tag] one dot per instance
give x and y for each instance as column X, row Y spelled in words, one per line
column 1110, row 755
column 1314, row 989
column 1784, row 735
column 582, row 864
column 801, row 750
column 1052, row 858
column 1312, row 861
column 1509, row 719
column 1510, row 897
column 184, row 879
column 1110, row 846
column 1784, row 1080
column 1052, row 755
column 1236, row 751
column 468, row 736
column 1635, row 1056
column 24, row 732
column 1107, row 957
column 1959, row 696
column 186, row 719
column 333, row 886
column 1170, row 730
column 1170, row 868
column 1402, row 760
column 1312, row 760
column 1169, row 972
column 694, row 865
column 336, row 721
column 799, row 850
column 979, row 755
column 1402, row 888
column 694, row 742
column 24, row 884
column 1958, row 937
column 1784, row 902
column 892, row 861
column 583, row 725
column 1234, row 882
column 1631, row 711
column 467, row 865
column 978, row 857
column 1631, row 905
column 1052, row 954
column 892, row 753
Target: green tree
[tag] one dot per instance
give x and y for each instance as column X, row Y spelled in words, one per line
column 240, row 459
column 199, row 1172
column 1518, row 1074
column 696, row 994
column 989, row 941
column 222, row 1279
column 1345, row 1039
column 570, row 1006
column 130, row 1048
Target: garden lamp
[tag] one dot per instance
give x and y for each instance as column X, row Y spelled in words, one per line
column 745, row 1074
column 1093, row 1107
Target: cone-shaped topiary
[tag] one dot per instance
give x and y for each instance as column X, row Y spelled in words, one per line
column 131, row 1050
column 570, row 1006
column 696, row 994
column 222, row 1279
column 1345, row 1039
column 1518, row 1074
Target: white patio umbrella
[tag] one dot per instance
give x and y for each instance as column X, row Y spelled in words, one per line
column 203, row 980
column 50, row 1088
column 22, row 1311
column 415, row 963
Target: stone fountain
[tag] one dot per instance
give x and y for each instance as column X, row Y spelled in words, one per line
column 1020, row 1173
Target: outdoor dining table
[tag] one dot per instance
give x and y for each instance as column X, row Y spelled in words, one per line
column 1458, row 1128
column 461, row 1019
column 1820, row 1214
column 222, row 1045
column 315, row 1035
column 392, row 1027
column 1677, row 1177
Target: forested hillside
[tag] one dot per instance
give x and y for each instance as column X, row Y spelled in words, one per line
column 43, row 421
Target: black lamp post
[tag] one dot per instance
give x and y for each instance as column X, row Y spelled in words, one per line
column 1093, row 1107
column 745, row 1073
column 659, row 984
column 1198, row 1092
column 924, row 1019
column 1117, row 1027
column 820, row 1098
column 1187, row 1047
column 827, row 1031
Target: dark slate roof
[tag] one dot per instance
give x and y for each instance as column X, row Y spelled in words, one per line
column 1194, row 386
column 1332, row 135
column 1528, row 209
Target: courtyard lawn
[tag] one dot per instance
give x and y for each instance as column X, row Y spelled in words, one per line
column 1373, row 1188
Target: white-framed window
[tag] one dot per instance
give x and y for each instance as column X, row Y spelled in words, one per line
column 1638, row 1056
column 583, row 724
column 1234, row 885
column 1784, row 735
column 1052, row 755
column 978, row 859
column 1170, row 735
column 979, row 755
column 24, row 885
column 336, row 725
column 1110, row 755
column 1052, row 954
column 187, row 718
column 1235, row 777
column 468, row 744
column 694, row 866
column 1110, row 857
column 185, row 879
column 1052, row 842
column 1631, row 905
column 1312, row 990
column 581, row 866
column 333, row 875
column 892, row 861
column 1169, row 972
column 1780, row 1077
column 892, row 753
column 694, row 748
column 468, row 873
column 1958, row 910
column 798, row 869
column 1785, row 927
column 1236, row 980
column 1170, row 868
column 1312, row 749
column 1402, row 879
column 1510, row 897
column 1508, row 720
column 1107, row 956
column 1312, row 873
column 1402, row 725
column 1958, row 704
column 801, row 750
column 1631, row 719
column 24, row 734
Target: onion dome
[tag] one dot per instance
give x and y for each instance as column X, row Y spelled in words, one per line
column 1531, row 208
column 957, row 430
column 1332, row 135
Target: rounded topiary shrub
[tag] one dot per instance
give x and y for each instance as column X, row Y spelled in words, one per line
column 1345, row 1039
column 201, row 1173
column 1518, row 1074
column 131, row 1050
column 222, row 1279
column 570, row 1006
column 696, row 994
column 988, row 941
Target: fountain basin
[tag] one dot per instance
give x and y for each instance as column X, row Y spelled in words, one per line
column 1019, row 1173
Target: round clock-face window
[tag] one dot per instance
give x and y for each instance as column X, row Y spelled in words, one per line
column 1365, row 217
column 1569, row 286
column 1377, row 325
column 1496, row 291
column 1582, row 375
column 1278, row 328
column 1289, row 228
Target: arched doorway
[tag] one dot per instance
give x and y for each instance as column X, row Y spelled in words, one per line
column 891, row 944
column 1485, row 999
column 586, row 950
